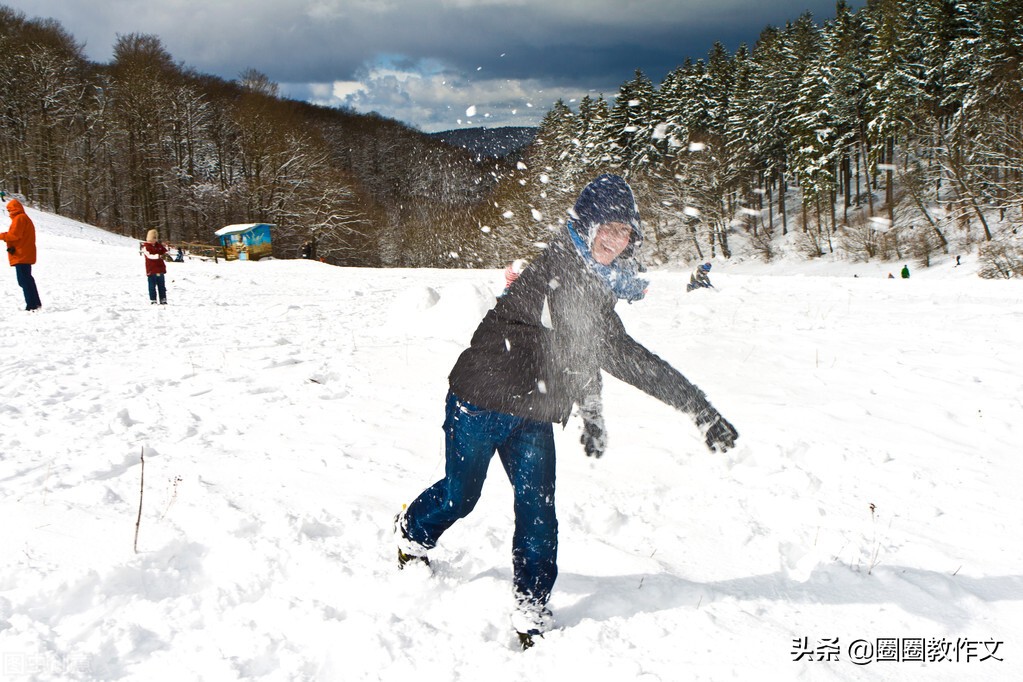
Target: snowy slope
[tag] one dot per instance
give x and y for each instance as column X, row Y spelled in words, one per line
column 286, row 410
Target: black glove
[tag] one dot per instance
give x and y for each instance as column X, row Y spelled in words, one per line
column 720, row 435
column 594, row 438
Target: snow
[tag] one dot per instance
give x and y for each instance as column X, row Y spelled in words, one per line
column 880, row 224
column 235, row 229
column 287, row 409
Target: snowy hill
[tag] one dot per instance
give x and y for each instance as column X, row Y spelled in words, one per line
column 286, row 410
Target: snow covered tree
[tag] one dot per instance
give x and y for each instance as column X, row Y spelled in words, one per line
column 842, row 68
column 143, row 76
column 812, row 144
column 992, row 117
column 627, row 138
column 591, row 121
column 44, row 99
column 533, row 197
column 895, row 74
column 554, row 164
column 769, row 102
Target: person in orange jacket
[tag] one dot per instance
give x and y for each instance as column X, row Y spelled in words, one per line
column 21, row 251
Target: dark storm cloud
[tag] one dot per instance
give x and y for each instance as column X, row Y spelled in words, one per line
column 429, row 62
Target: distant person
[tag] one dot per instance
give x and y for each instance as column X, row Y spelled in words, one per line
column 537, row 352
column 309, row 249
column 905, row 272
column 957, row 261
column 156, row 269
column 21, row 251
column 512, row 272
column 179, row 257
column 700, row 278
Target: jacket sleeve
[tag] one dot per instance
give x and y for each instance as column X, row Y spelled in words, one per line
column 628, row 360
column 151, row 252
column 14, row 234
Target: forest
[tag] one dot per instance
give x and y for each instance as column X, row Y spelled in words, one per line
column 894, row 132
column 891, row 132
column 144, row 142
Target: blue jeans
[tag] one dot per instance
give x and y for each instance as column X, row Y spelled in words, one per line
column 156, row 282
column 28, row 286
column 526, row 449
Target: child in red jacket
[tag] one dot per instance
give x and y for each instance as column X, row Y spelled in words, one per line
column 156, row 269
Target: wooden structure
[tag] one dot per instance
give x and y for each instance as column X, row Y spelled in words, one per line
column 204, row 251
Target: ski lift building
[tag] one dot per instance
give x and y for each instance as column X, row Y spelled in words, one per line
column 247, row 241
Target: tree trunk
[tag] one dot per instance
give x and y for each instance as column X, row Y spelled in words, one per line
column 846, row 181
column 889, row 190
column 834, row 217
column 781, row 204
column 866, row 173
column 857, row 152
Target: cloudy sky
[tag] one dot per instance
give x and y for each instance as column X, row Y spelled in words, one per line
column 435, row 64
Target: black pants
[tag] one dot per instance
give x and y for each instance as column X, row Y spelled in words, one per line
column 28, row 286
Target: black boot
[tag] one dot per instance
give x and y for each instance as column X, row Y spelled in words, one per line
column 408, row 550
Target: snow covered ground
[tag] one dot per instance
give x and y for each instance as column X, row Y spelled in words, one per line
column 286, row 410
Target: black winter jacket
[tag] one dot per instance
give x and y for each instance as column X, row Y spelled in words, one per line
column 540, row 349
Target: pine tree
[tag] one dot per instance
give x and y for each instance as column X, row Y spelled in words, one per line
column 772, row 102
column 588, row 144
column 628, row 136
column 999, row 121
column 895, row 74
column 552, row 168
column 812, row 146
column 842, row 66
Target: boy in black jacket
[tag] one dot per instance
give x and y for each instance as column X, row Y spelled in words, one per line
column 535, row 354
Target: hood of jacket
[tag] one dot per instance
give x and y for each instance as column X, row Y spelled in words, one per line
column 21, row 237
column 14, row 207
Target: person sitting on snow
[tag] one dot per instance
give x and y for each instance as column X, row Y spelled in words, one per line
column 700, row 278
column 538, row 351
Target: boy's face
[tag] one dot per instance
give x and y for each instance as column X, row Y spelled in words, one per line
column 609, row 242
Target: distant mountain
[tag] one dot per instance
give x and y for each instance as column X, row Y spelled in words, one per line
column 496, row 143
